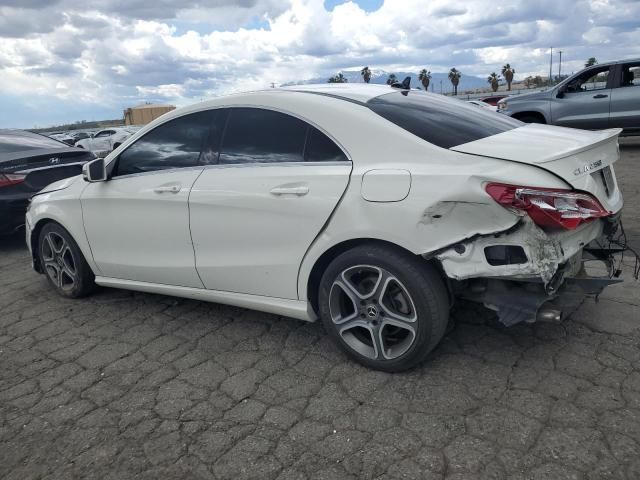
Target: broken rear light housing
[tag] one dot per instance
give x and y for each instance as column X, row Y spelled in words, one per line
column 7, row 179
column 549, row 208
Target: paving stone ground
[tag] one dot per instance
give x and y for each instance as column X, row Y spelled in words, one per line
column 127, row 385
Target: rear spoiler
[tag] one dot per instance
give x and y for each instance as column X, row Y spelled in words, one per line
column 606, row 135
column 486, row 146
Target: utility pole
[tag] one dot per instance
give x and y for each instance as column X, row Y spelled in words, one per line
column 440, row 87
column 550, row 64
column 560, row 66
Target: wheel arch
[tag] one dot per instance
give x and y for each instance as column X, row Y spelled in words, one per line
column 34, row 239
column 530, row 113
column 323, row 261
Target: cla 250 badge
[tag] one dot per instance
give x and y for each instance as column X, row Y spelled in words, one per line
column 587, row 168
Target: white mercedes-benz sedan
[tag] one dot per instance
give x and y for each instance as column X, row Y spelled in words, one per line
column 369, row 207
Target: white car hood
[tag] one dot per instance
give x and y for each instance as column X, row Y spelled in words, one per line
column 572, row 154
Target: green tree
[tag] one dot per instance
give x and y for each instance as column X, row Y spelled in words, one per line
column 339, row 78
column 392, row 79
column 493, row 80
column 454, row 77
column 591, row 61
column 424, row 76
column 366, row 74
column 508, row 71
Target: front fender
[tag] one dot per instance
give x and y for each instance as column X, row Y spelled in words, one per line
column 63, row 207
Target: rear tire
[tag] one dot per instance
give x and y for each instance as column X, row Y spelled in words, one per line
column 63, row 264
column 385, row 307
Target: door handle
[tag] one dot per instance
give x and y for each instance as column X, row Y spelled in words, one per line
column 167, row 189
column 298, row 190
column 600, row 95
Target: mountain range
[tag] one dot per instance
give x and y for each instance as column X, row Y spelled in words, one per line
column 467, row 82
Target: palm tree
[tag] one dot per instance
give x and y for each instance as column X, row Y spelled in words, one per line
column 366, row 74
column 339, row 78
column 424, row 76
column 493, row 80
column 392, row 79
column 591, row 61
column 454, row 76
column 508, row 72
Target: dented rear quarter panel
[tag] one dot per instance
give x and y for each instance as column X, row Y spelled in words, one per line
column 446, row 204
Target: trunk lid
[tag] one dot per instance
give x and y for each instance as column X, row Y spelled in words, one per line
column 42, row 167
column 581, row 158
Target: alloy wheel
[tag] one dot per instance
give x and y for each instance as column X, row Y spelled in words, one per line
column 373, row 312
column 58, row 261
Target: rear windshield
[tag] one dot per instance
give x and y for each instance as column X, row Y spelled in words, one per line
column 443, row 121
column 18, row 141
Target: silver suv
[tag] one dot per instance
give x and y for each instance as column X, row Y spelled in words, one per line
column 602, row 96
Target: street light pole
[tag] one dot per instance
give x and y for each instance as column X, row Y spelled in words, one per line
column 560, row 66
column 550, row 64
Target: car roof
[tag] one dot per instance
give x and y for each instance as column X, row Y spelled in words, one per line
column 614, row 62
column 360, row 92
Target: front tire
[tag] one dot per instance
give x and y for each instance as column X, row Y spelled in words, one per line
column 386, row 308
column 62, row 261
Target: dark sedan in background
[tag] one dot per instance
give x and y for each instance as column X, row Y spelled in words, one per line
column 28, row 163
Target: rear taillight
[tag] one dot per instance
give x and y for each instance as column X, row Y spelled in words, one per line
column 7, row 179
column 549, row 208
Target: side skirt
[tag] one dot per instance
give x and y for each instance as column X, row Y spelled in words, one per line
column 278, row 306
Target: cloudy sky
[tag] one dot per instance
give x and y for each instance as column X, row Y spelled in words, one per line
column 67, row 60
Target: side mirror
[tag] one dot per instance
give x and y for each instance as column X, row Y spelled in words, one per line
column 94, row 171
column 560, row 93
column 91, row 135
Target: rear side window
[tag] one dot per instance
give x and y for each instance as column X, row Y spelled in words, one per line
column 254, row 135
column 321, row 148
column 630, row 75
column 175, row 144
column 439, row 120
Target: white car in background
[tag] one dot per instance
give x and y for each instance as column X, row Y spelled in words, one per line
column 62, row 137
column 370, row 207
column 104, row 141
column 481, row 104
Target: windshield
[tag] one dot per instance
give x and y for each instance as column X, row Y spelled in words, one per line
column 439, row 120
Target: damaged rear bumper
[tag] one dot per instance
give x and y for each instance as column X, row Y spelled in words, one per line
column 522, row 252
column 526, row 274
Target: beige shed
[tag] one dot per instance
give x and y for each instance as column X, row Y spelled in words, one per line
column 145, row 113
